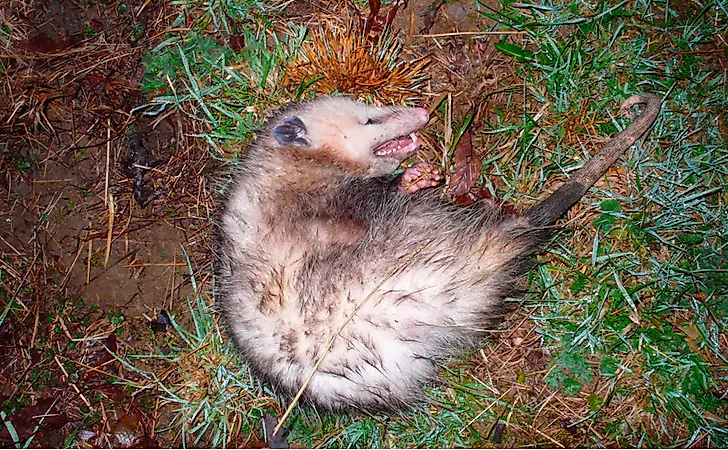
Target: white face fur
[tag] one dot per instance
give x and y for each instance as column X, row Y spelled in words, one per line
column 379, row 138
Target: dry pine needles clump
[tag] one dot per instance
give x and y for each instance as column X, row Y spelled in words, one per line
column 345, row 60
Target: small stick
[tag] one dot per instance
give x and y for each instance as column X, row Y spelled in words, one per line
column 93, row 66
column 110, row 231
column 469, row 33
column 154, row 419
column 65, row 328
column 73, row 264
column 172, row 264
column 171, row 280
column 35, row 324
column 90, row 253
column 108, row 157
column 411, row 31
column 60, row 180
column 142, row 7
column 480, row 414
column 73, row 385
column 106, row 419
column 448, row 134
column 103, row 372
column 548, row 437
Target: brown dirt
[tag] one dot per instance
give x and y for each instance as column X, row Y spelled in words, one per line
column 464, row 60
column 72, row 80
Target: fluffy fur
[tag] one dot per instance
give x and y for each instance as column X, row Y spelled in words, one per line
column 314, row 230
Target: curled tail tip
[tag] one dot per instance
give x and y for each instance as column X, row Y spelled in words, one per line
column 558, row 203
column 646, row 98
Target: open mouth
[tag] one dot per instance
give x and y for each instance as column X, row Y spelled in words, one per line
column 399, row 148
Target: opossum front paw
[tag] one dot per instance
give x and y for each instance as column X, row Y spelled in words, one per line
column 422, row 175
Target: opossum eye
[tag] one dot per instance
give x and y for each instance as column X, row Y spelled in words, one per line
column 291, row 131
column 371, row 121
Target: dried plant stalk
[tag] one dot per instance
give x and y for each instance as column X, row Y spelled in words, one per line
column 342, row 59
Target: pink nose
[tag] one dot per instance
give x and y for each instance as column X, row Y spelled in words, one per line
column 422, row 112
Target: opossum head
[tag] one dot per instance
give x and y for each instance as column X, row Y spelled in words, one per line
column 374, row 139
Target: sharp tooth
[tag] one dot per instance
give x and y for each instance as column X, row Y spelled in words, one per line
column 414, row 137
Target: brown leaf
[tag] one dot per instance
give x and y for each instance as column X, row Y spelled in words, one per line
column 131, row 430
column 374, row 6
column 467, row 167
column 369, row 22
column 692, row 336
column 42, row 43
column 112, row 391
column 714, row 418
column 469, row 198
column 126, row 431
column 428, row 17
column 571, row 429
column 393, row 12
column 236, row 42
column 376, row 23
column 6, row 331
column 28, row 418
column 101, row 355
column 255, row 443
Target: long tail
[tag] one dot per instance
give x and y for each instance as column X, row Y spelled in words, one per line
column 555, row 205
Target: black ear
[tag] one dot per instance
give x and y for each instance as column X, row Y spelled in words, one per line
column 291, row 131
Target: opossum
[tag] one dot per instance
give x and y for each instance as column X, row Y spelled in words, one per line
column 328, row 270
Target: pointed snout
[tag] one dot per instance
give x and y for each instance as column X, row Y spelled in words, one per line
column 422, row 114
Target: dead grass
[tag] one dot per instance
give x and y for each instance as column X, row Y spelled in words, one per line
column 339, row 58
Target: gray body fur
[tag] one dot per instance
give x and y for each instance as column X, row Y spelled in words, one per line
column 314, row 242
